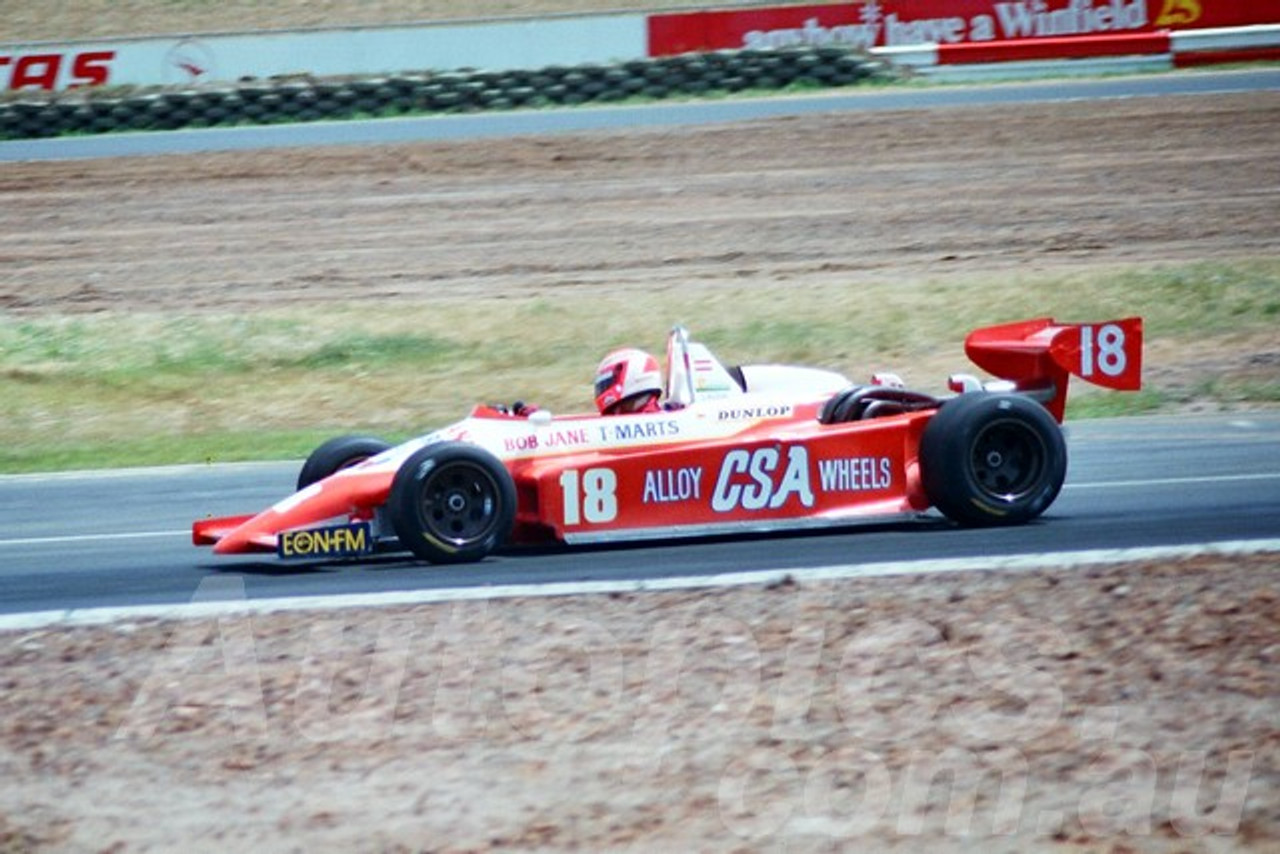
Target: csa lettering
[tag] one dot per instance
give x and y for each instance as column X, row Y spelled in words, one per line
column 57, row 70
column 763, row 479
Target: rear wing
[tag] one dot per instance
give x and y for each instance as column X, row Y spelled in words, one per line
column 1039, row 356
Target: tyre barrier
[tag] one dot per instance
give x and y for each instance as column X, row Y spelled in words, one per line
column 86, row 111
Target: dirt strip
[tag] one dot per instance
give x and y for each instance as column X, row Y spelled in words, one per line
column 1125, row 708
column 741, row 209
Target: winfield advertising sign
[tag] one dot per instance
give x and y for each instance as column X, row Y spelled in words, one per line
column 890, row 23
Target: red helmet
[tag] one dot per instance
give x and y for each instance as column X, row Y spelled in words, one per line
column 624, row 375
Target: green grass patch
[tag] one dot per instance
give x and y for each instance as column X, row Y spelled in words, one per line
column 1105, row 405
column 164, row 450
column 141, row 389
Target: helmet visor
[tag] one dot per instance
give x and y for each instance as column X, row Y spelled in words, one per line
column 605, row 380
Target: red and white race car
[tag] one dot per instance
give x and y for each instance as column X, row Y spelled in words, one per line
column 751, row 448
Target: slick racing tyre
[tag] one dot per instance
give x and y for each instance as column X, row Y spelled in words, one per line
column 452, row 503
column 992, row 459
column 335, row 454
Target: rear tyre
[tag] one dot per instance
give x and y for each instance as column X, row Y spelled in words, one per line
column 452, row 503
column 992, row 459
column 336, row 454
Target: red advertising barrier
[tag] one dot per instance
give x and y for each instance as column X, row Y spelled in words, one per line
column 890, row 23
column 1217, row 57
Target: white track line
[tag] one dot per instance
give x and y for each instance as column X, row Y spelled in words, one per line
column 1103, row 484
column 178, row 469
column 1175, row 481
column 224, row 596
column 94, row 538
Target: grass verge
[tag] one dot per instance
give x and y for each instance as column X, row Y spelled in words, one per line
column 110, row 390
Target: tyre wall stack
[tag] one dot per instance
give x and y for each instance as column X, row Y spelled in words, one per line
column 90, row 111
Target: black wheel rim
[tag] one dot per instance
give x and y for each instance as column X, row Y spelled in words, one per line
column 1008, row 461
column 459, row 503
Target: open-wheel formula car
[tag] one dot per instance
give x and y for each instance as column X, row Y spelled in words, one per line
column 743, row 449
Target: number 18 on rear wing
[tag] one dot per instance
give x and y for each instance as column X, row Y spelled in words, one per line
column 1040, row 355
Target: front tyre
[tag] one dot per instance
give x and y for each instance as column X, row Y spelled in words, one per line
column 992, row 459
column 336, row 454
column 452, row 503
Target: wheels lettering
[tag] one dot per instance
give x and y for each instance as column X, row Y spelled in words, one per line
column 591, row 495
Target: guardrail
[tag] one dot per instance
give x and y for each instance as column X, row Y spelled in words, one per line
column 1088, row 54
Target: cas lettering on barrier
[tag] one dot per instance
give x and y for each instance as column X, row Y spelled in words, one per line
column 50, row 71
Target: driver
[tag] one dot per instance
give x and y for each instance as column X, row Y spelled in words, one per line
column 628, row 381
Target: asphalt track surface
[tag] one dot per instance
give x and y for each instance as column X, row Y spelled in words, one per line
column 659, row 115
column 88, row 540
column 115, row 539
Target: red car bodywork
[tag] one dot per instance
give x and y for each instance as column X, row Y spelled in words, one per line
column 779, row 453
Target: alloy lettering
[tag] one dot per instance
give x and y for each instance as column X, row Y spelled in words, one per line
column 664, row 486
